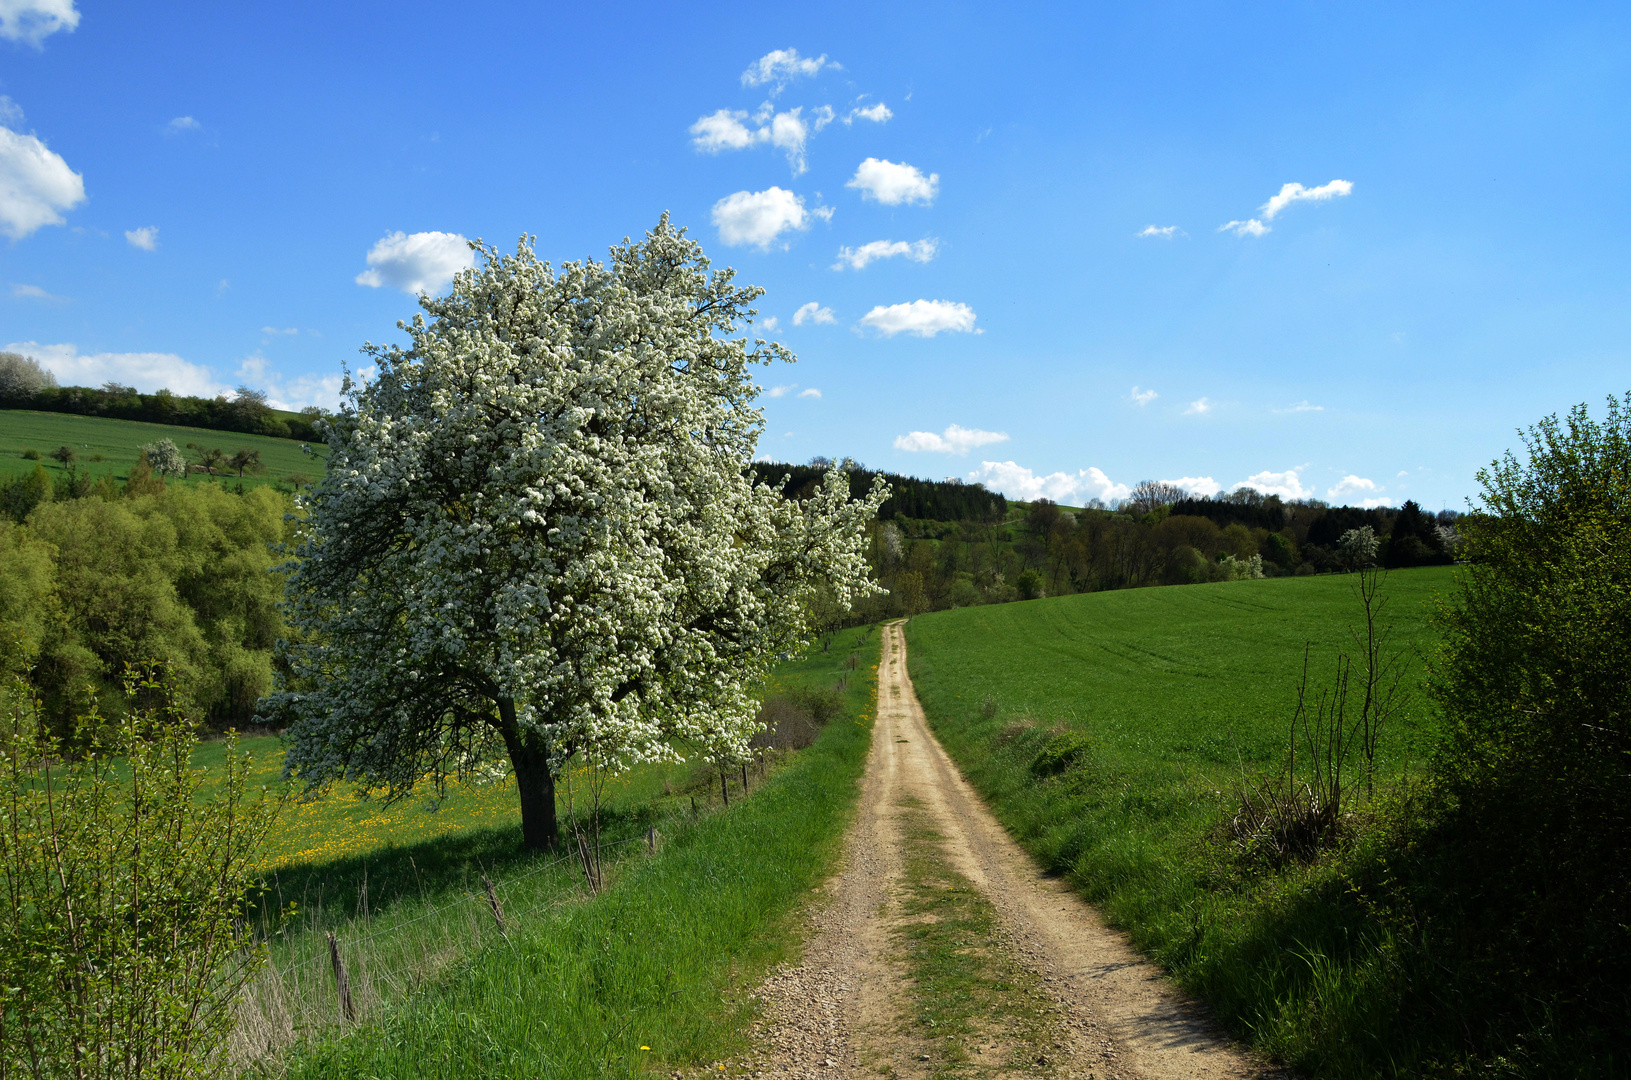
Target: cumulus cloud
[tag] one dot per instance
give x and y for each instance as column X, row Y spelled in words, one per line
column 894, row 183
column 1144, row 397
column 183, row 123
column 878, row 114
column 1019, row 482
column 813, row 313
column 418, row 262
column 1203, row 486
column 769, row 322
column 1291, row 193
column 1288, row 194
column 1301, row 406
column 10, row 111
column 857, row 258
column 36, row 185
column 1249, row 227
column 146, row 371
column 32, row 21
column 1199, row 407
column 781, row 66
column 730, row 130
column 293, row 394
column 1164, row 232
column 34, row 292
column 146, row 237
column 954, row 440
column 781, row 391
column 1352, row 485
column 1287, row 485
column 759, row 217
column 810, row 392
column 923, row 318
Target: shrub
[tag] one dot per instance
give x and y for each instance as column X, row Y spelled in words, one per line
column 31, row 454
column 1060, row 752
column 122, row 950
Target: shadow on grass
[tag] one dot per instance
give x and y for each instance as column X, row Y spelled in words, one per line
column 338, row 891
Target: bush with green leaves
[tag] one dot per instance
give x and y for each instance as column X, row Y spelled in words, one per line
column 122, row 885
column 1532, row 681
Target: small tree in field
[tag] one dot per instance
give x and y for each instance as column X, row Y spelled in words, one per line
column 538, row 536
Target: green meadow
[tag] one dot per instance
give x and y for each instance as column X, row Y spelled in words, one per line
column 1111, row 732
column 109, row 447
column 698, row 901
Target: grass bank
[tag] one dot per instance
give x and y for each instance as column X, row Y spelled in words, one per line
column 581, row 984
column 1109, row 732
column 109, row 447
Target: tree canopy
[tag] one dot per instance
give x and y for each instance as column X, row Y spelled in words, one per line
column 538, row 535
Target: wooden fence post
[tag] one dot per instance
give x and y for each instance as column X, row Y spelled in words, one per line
column 342, row 984
column 492, row 902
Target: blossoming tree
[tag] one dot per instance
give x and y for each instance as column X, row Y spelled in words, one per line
column 538, row 536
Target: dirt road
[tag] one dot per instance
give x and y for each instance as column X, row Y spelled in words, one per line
column 940, row 949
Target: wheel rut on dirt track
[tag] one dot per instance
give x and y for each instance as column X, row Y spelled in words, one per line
column 849, row 1007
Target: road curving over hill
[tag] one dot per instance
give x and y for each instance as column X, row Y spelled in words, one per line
column 940, row 949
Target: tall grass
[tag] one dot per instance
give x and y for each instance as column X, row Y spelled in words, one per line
column 578, row 983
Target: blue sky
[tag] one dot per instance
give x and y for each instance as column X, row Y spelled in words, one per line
column 190, row 196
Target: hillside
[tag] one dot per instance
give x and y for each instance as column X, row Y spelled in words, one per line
column 107, row 446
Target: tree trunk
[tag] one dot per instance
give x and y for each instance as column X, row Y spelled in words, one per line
column 529, row 757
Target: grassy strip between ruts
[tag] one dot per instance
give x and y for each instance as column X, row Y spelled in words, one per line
column 1108, row 733
column 652, row 970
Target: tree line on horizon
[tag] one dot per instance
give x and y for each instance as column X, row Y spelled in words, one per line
column 24, row 384
column 941, row 544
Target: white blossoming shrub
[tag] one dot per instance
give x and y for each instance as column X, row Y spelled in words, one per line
column 537, row 537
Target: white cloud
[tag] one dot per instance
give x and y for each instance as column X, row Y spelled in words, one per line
column 33, row 21
column 10, row 111
column 1249, row 227
column 1144, row 397
column 273, row 331
column 781, row 391
column 1287, row 485
column 145, row 371
column 823, row 115
column 1018, row 482
column 857, row 258
column 35, row 184
column 954, row 440
column 924, row 318
column 770, row 322
column 759, row 217
column 146, row 237
column 183, row 123
column 1204, row 486
column 1352, row 485
column 1199, row 407
column 1301, row 406
column 294, row 394
column 812, row 312
column 892, row 184
column 417, row 262
column 34, row 292
column 878, row 114
column 810, row 392
column 723, row 130
column 781, row 66
column 1291, row 193
column 1165, row 232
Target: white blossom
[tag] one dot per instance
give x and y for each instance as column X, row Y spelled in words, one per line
column 538, row 535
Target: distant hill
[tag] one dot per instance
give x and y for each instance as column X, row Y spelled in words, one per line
column 248, row 413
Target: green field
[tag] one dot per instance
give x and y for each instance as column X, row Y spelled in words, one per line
column 1174, row 695
column 109, row 447
column 661, row 959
